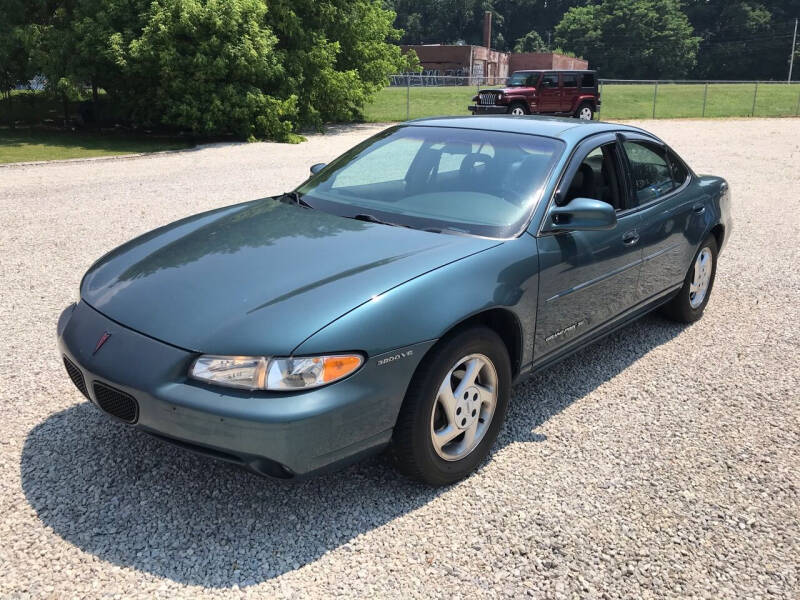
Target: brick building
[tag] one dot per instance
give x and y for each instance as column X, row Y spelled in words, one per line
column 481, row 62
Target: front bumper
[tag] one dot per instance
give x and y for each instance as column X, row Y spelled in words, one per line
column 281, row 435
column 479, row 109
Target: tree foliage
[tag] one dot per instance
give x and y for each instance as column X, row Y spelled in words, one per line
column 252, row 68
column 15, row 63
column 635, row 39
column 530, row 42
column 740, row 39
column 743, row 39
column 208, row 67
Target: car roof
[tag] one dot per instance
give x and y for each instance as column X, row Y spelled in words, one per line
column 569, row 130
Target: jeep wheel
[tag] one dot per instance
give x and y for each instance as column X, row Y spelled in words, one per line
column 585, row 112
column 517, row 109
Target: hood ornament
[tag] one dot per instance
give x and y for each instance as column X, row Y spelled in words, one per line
column 103, row 339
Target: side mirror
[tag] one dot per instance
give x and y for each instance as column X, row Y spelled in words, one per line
column 317, row 168
column 582, row 214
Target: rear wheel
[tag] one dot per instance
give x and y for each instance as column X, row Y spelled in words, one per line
column 454, row 408
column 517, row 109
column 691, row 301
column 585, row 112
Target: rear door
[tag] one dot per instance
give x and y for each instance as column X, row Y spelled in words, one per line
column 671, row 208
column 549, row 93
column 587, row 278
column 569, row 92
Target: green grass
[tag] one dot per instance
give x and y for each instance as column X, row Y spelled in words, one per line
column 38, row 136
column 390, row 103
column 23, row 145
column 619, row 101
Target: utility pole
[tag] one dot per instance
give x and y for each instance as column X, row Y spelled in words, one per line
column 791, row 58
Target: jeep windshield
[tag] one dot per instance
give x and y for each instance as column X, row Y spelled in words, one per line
column 522, row 79
column 438, row 178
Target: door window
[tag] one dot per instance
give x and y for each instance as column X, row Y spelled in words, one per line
column 651, row 175
column 597, row 177
column 550, row 80
column 569, row 81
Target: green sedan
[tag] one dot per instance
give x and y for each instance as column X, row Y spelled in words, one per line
column 394, row 298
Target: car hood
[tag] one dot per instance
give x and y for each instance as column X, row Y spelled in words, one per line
column 260, row 277
column 510, row 90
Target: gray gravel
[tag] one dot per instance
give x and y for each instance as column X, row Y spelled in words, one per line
column 662, row 462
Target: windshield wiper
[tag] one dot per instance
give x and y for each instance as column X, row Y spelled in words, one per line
column 373, row 219
column 295, row 198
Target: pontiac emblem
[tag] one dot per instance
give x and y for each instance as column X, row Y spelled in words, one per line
column 103, row 339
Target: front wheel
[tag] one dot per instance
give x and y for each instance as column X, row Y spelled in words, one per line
column 517, row 109
column 454, row 408
column 585, row 112
column 691, row 301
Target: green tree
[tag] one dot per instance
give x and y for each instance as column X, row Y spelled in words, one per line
column 53, row 48
column 445, row 21
column 530, row 42
column 15, row 64
column 743, row 39
column 248, row 67
column 634, row 39
column 208, row 66
column 335, row 55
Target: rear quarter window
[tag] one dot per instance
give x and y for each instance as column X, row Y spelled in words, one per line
column 679, row 172
column 588, row 80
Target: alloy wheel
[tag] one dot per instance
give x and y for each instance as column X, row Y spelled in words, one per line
column 701, row 279
column 585, row 114
column 464, row 407
column 517, row 111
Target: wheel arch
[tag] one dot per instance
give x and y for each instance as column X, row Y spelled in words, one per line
column 718, row 231
column 504, row 323
column 585, row 99
column 522, row 102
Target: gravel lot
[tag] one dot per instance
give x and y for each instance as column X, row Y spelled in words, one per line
column 661, row 462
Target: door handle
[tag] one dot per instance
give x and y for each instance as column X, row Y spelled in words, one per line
column 699, row 208
column 631, row 238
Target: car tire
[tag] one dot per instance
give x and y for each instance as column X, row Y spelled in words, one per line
column 585, row 112
column 424, row 418
column 688, row 305
column 518, row 109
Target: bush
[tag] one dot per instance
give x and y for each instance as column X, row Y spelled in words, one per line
column 250, row 68
column 209, row 67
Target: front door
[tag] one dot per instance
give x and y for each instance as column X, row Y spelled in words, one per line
column 673, row 219
column 569, row 92
column 549, row 93
column 586, row 278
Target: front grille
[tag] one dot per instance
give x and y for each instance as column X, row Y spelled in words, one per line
column 117, row 403
column 76, row 376
column 487, row 99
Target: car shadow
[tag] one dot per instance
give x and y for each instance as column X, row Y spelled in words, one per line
column 137, row 502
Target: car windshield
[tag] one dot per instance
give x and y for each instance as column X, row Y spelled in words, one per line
column 435, row 178
column 522, row 79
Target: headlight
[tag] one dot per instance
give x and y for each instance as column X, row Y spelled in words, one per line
column 274, row 373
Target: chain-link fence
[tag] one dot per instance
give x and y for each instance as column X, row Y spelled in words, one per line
column 424, row 95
